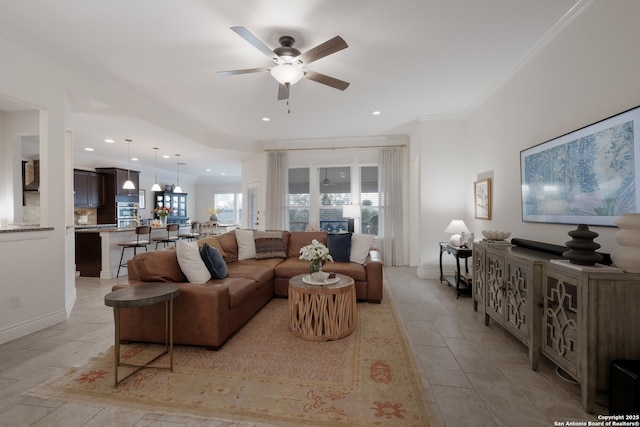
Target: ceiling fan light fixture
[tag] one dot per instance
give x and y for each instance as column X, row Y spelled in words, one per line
column 287, row 73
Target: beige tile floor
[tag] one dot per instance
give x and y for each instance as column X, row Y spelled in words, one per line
column 475, row 375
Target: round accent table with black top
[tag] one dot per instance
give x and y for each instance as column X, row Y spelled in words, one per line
column 322, row 312
column 138, row 296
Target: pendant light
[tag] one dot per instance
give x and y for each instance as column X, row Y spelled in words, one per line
column 177, row 189
column 128, row 184
column 156, row 186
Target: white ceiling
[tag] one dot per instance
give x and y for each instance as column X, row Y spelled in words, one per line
column 412, row 59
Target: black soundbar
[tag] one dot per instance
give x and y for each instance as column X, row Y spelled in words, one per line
column 552, row 249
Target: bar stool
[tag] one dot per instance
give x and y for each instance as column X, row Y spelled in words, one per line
column 143, row 232
column 170, row 238
column 194, row 232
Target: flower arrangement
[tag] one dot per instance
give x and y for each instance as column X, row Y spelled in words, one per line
column 161, row 211
column 214, row 211
column 315, row 253
column 82, row 212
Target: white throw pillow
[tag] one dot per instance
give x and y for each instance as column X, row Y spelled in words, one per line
column 246, row 244
column 191, row 262
column 360, row 247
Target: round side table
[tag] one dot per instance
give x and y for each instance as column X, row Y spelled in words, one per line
column 322, row 312
column 137, row 296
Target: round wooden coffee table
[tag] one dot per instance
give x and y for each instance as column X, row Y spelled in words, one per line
column 322, row 312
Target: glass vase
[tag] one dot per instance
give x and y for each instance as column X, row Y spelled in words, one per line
column 163, row 221
column 315, row 266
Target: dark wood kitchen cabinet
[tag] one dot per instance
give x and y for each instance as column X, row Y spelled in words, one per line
column 113, row 192
column 115, row 178
column 88, row 189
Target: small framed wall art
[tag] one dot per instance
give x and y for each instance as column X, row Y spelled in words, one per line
column 482, row 198
column 142, row 203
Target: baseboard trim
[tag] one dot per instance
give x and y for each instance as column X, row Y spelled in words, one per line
column 30, row 326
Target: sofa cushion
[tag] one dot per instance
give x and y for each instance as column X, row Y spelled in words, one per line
column 261, row 271
column 240, row 290
column 339, row 246
column 246, row 244
column 360, row 247
column 213, row 242
column 191, row 262
column 159, row 266
column 269, row 244
column 229, row 245
column 351, row 269
column 214, row 262
column 293, row 266
column 298, row 239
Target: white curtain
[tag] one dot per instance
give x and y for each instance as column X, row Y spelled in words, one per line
column 392, row 181
column 276, row 214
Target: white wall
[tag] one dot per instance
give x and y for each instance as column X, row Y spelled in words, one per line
column 440, row 145
column 47, row 291
column 587, row 73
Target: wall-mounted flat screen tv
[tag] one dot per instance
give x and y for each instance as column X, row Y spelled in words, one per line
column 588, row 176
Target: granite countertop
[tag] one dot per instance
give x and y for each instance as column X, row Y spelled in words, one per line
column 109, row 228
column 14, row 228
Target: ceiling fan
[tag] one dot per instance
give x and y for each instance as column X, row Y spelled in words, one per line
column 289, row 61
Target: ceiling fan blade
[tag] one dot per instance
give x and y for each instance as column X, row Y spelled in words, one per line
column 283, row 92
column 327, row 48
column 245, row 71
column 256, row 42
column 326, row 80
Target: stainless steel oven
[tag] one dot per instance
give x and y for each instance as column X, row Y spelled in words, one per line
column 126, row 214
column 127, row 222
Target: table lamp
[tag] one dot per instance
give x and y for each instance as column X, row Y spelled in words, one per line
column 457, row 228
column 350, row 212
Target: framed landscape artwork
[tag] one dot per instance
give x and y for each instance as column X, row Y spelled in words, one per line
column 587, row 176
column 482, row 198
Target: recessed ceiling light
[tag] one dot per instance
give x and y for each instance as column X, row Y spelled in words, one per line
column 109, row 140
column 223, row 173
column 376, row 113
column 88, row 149
column 266, row 119
column 166, row 156
column 208, row 170
column 134, row 159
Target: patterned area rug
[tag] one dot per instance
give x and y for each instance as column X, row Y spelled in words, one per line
column 263, row 373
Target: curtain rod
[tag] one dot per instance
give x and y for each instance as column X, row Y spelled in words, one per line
column 334, row 148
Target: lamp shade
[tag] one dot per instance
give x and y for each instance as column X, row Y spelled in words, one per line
column 351, row 211
column 456, row 226
column 287, row 73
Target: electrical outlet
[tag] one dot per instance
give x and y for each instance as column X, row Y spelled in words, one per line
column 16, row 302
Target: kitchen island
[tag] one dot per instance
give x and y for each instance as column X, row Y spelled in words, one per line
column 98, row 250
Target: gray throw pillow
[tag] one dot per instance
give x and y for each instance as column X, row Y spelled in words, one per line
column 214, row 262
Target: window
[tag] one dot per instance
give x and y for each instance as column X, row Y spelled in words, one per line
column 369, row 199
column 232, row 204
column 335, row 191
column 317, row 196
column 299, row 199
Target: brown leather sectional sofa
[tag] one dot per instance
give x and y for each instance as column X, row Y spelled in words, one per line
column 207, row 314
